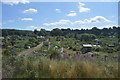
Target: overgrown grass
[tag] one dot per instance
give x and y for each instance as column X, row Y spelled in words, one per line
column 42, row 67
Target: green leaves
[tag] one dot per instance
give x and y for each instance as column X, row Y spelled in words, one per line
column 85, row 37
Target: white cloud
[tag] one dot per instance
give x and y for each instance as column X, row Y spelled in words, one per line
column 82, row 21
column 15, row 2
column 72, row 14
column 72, row 11
column 33, row 27
column 83, row 9
column 78, row 22
column 58, row 10
column 63, row 21
column 26, row 19
column 97, row 19
column 30, row 10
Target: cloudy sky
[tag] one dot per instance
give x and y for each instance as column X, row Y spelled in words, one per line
column 25, row 15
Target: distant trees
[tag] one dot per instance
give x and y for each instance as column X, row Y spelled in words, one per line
column 85, row 37
column 62, row 32
column 56, row 32
column 36, row 31
column 66, row 31
column 72, row 33
column 6, row 32
column 42, row 32
column 95, row 31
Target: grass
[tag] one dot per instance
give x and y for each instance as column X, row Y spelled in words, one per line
column 42, row 67
column 44, row 48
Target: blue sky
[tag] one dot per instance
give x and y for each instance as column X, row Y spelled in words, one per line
column 50, row 15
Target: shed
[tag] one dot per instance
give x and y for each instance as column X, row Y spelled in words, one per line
column 86, row 48
column 28, row 47
column 111, row 45
column 42, row 37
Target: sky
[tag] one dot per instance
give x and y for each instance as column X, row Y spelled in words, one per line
column 27, row 15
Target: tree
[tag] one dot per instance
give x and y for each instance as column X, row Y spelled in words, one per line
column 35, row 31
column 43, row 32
column 95, row 31
column 85, row 37
column 56, row 32
column 33, row 40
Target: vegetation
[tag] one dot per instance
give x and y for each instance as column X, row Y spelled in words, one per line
column 85, row 37
column 63, row 32
column 43, row 67
column 58, row 53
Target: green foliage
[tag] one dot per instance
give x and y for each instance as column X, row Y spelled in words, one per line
column 56, row 32
column 38, row 67
column 6, row 43
column 7, row 52
column 15, row 43
column 6, row 32
column 31, row 44
column 74, row 48
column 70, row 35
column 44, row 48
column 63, row 32
column 85, row 37
column 97, row 49
column 60, row 38
column 107, row 49
column 32, row 39
column 53, row 52
column 42, row 32
column 118, row 48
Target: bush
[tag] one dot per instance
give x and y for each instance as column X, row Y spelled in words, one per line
column 85, row 37
column 60, row 38
column 7, row 52
column 97, row 49
column 54, row 54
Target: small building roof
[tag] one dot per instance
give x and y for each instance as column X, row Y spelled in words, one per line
column 87, row 45
column 111, row 45
column 94, row 45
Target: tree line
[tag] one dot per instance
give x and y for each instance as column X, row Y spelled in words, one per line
column 63, row 32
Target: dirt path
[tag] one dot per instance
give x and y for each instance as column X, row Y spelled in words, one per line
column 30, row 51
